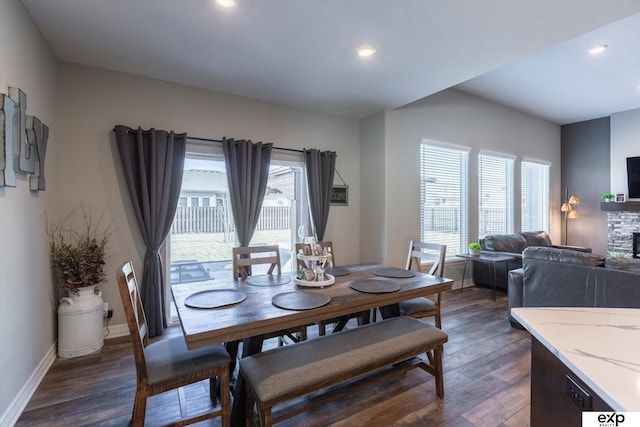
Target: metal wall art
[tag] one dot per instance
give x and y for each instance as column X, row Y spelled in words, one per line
column 23, row 141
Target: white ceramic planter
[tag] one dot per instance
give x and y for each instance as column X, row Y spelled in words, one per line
column 80, row 323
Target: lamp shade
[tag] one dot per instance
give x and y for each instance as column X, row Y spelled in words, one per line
column 573, row 214
column 573, row 200
column 566, row 207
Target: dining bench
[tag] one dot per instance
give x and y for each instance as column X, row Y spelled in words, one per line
column 285, row 373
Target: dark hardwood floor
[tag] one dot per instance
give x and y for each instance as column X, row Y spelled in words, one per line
column 486, row 365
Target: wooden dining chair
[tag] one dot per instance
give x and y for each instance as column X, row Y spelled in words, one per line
column 419, row 253
column 167, row 364
column 245, row 257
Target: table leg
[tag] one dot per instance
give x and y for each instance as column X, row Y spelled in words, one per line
column 250, row 346
column 464, row 271
column 340, row 324
column 493, row 282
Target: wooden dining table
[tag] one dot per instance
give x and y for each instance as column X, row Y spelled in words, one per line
column 255, row 316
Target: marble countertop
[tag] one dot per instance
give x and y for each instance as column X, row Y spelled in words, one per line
column 601, row 345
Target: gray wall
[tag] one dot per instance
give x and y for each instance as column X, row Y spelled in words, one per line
column 29, row 297
column 372, row 172
column 586, row 171
column 625, row 142
column 458, row 118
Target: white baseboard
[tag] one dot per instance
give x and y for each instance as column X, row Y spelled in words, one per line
column 116, row 331
column 458, row 284
column 13, row 412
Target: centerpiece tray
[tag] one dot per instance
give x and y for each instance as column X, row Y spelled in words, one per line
column 314, row 257
column 330, row 280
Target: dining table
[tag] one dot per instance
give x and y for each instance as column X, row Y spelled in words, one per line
column 228, row 311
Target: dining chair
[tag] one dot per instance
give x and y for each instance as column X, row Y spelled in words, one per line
column 419, row 252
column 167, row 364
column 328, row 246
column 246, row 256
column 264, row 255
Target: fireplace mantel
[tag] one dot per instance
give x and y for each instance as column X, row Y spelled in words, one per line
column 620, row 206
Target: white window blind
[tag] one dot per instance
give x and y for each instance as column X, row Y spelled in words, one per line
column 535, row 196
column 443, row 196
column 495, row 194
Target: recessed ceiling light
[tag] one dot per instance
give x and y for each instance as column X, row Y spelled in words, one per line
column 366, row 51
column 226, row 3
column 598, row 49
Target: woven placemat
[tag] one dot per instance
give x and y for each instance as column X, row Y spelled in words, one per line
column 337, row 271
column 214, row 298
column 374, row 286
column 393, row 272
column 300, row 300
column 268, row 280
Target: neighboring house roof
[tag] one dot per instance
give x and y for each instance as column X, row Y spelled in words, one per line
column 204, row 181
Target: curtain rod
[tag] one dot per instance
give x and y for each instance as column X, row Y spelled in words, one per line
column 220, row 141
column 294, row 150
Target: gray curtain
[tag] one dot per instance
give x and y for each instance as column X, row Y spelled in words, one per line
column 247, row 173
column 320, row 166
column 153, row 164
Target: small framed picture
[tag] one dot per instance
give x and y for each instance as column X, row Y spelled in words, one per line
column 340, row 195
column 620, row 197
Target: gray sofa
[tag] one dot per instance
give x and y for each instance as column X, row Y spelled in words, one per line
column 511, row 244
column 552, row 277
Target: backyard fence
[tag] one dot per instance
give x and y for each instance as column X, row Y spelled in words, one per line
column 219, row 219
column 446, row 219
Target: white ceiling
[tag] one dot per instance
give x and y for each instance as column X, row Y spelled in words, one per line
column 529, row 54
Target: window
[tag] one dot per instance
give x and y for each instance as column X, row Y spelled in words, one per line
column 443, row 195
column 204, row 233
column 535, row 196
column 495, row 194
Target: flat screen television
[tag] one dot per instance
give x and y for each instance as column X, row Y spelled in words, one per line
column 633, row 177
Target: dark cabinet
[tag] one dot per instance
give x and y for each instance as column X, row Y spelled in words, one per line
column 558, row 396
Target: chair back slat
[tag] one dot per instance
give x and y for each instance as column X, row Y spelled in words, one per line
column 134, row 312
column 421, row 252
column 244, row 256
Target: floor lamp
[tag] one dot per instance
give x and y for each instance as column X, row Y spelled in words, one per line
column 569, row 211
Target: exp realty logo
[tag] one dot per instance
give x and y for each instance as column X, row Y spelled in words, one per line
column 610, row 419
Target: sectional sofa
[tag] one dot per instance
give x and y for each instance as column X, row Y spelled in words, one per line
column 552, row 277
column 511, row 244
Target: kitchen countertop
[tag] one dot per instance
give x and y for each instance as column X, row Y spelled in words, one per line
column 600, row 345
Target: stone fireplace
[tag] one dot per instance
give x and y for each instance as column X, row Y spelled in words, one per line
column 623, row 231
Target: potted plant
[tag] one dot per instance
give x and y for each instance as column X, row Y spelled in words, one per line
column 78, row 259
column 622, row 261
column 607, row 197
column 474, row 249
